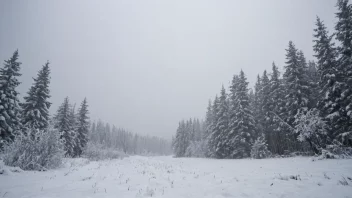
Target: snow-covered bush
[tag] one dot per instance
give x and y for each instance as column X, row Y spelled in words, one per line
column 336, row 150
column 260, row 149
column 95, row 152
column 196, row 149
column 312, row 129
column 35, row 150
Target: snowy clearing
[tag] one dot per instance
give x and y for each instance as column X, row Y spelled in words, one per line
column 184, row 177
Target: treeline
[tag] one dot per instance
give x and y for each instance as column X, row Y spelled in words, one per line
column 306, row 109
column 188, row 141
column 31, row 139
column 30, row 118
column 122, row 139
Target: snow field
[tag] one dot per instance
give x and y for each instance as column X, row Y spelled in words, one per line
column 184, row 177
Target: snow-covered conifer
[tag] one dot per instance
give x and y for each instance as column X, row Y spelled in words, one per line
column 63, row 124
column 10, row 122
column 36, row 105
column 243, row 132
column 260, row 149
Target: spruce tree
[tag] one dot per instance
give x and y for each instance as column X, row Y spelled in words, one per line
column 73, row 132
column 313, row 84
column 243, row 132
column 329, row 84
column 177, row 142
column 10, row 123
column 277, row 108
column 296, row 83
column 257, row 106
column 221, row 150
column 213, row 141
column 63, row 123
column 344, row 66
column 264, row 105
column 36, row 105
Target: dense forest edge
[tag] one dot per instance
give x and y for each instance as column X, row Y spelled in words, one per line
column 33, row 140
column 305, row 111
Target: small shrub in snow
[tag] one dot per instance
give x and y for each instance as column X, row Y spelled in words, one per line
column 196, row 149
column 335, row 151
column 97, row 152
column 37, row 150
column 311, row 128
column 260, row 149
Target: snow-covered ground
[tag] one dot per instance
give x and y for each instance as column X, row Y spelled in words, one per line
column 186, row 177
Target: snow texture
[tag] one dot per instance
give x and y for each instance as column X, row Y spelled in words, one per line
column 185, row 177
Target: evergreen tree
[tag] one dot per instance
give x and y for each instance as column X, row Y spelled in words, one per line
column 212, row 143
column 344, row 66
column 296, row 83
column 257, row 106
column 181, row 142
column 221, row 127
column 259, row 148
column 242, row 131
column 10, row 123
column 208, row 128
column 277, row 108
column 329, row 84
column 36, row 105
column 63, row 123
column 73, row 132
column 264, row 102
column 313, row 84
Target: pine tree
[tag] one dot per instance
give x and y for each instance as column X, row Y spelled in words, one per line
column 36, row 105
column 313, row 84
column 74, row 133
column 296, row 83
column 329, row 84
column 212, row 143
column 10, row 123
column 264, row 102
column 181, row 141
column 221, row 127
column 259, row 148
column 64, row 125
column 257, row 106
column 208, row 128
column 344, row 66
column 277, row 108
column 243, row 130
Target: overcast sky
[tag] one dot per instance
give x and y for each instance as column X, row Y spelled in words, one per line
column 145, row 65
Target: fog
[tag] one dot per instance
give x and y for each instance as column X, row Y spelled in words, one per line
column 145, row 65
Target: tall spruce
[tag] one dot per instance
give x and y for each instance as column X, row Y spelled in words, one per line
column 264, row 105
column 63, row 124
column 296, row 83
column 329, row 82
column 221, row 127
column 36, row 105
column 243, row 131
column 277, row 108
column 10, row 123
column 213, row 141
column 208, row 121
column 313, row 84
column 344, row 66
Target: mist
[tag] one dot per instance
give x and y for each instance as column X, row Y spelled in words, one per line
column 145, row 65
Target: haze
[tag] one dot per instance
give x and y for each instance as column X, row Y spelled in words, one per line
column 145, row 65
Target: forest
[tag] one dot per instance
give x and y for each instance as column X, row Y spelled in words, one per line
column 32, row 139
column 306, row 110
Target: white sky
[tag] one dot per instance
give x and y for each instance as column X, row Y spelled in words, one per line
column 145, row 65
